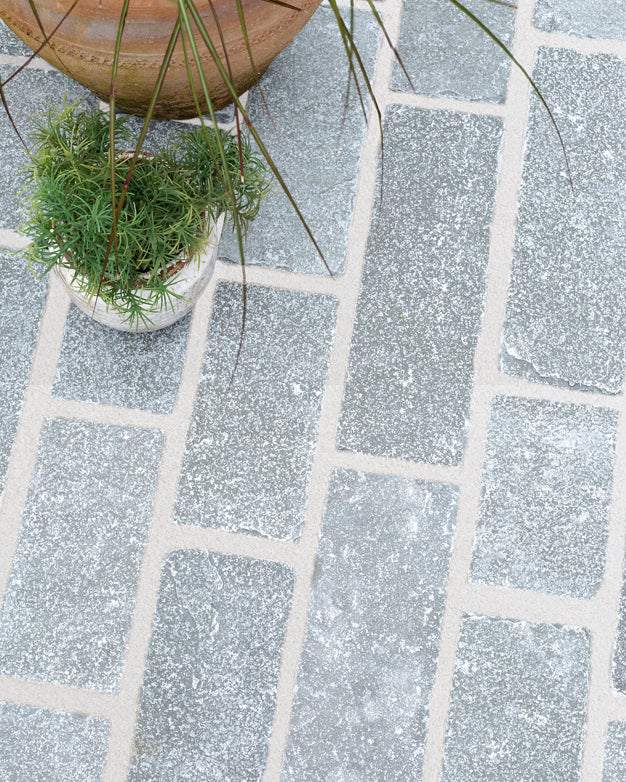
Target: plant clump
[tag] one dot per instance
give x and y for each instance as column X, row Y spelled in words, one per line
column 171, row 199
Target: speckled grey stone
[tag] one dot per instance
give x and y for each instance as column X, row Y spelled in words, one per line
column 250, row 446
column 619, row 652
column 207, row 700
column 70, row 596
column 11, row 44
column 615, row 753
column 566, row 314
column 26, row 96
column 37, row 745
column 446, row 53
column 99, row 364
column 418, row 315
column 518, row 703
column 546, row 491
column 22, row 298
column 369, row 659
column 600, row 19
column 315, row 147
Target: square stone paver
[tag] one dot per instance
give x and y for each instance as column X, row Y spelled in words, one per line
column 420, row 305
column 546, row 491
column 566, row 312
column 22, row 298
column 70, row 597
column 315, row 145
column 369, row 659
column 101, row 365
column 207, row 701
column 447, row 54
column 518, row 703
column 37, row 745
column 600, row 19
column 250, row 444
column 615, row 753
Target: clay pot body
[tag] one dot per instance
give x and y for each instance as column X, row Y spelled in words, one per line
column 83, row 46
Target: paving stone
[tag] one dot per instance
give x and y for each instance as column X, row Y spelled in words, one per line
column 250, row 444
column 546, row 491
column 601, row 19
column 447, row 54
column 11, row 44
column 22, row 298
column 37, row 745
column 101, row 365
column 418, row 315
column 619, row 652
column 363, row 691
column 518, row 702
column 70, row 597
column 27, row 95
column 207, row 702
column 566, row 317
column 615, row 753
column 315, row 144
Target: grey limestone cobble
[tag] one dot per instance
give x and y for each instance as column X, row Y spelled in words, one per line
column 601, row 19
column 447, row 54
column 518, row 702
column 615, row 753
column 70, row 597
column 100, row 365
column 315, row 146
column 363, row 690
column 419, row 309
column 22, row 299
column 566, row 316
column 207, row 700
column 37, row 745
column 11, row 44
column 27, row 95
column 250, row 444
column 546, row 491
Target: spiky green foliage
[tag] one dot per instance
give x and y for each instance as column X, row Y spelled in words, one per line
column 170, row 200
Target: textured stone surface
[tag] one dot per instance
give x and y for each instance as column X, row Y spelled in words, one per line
column 615, row 753
column 70, row 597
column 207, row 701
column 370, row 654
column 26, row 96
column 419, row 309
column 21, row 304
column 518, row 702
column 37, row 745
column 315, row 148
column 447, row 53
column 11, row 44
column 250, row 444
column 619, row 652
column 600, row 19
column 546, row 492
column 99, row 364
column 566, row 314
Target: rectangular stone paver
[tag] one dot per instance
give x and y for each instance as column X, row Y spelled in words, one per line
column 22, row 299
column 546, row 491
column 447, row 54
column 26, row 96
column 250, row 444
column 37, row 745
column 418, row 315
column 615, row 753
column 207, row 701
column 600, row 19
column 518, row 703
column 315, row 147
column 369, row 659
column 566, row 314
column 619, row 652
column 70, row 596
column 98, row 364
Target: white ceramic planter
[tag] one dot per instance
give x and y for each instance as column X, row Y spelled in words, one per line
column 189, row 282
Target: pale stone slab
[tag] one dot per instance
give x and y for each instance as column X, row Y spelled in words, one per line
column 600, row 19
column 615, row 753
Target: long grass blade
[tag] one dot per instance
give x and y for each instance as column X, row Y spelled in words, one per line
column 283, row 4
column 244, row 31
column 396, row 53
column 11, row 120
column 46, row 40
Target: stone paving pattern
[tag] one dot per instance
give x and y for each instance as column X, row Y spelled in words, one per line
column 390, row 546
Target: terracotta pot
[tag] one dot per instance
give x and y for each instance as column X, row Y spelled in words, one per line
column 83, row 46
